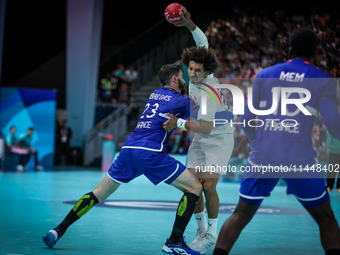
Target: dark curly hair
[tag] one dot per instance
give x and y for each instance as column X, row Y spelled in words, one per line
column 303, row 42
column 201, row 55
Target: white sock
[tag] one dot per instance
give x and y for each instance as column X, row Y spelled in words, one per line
column 201, row 221
column 212, row 226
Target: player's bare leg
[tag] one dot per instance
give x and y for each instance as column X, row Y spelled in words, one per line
column 211, row 197
column 105, row 188
column 328, row 226
column 206, row 235
column 187, row 182
column 192, row 189
column 233, row 226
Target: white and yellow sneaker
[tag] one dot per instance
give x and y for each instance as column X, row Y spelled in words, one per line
column 198, row 238
column 205, row 243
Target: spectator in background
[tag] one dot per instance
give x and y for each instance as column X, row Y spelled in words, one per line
column 242, row 37
column 131, row 109
column 323, row 19
column 316, row 136
column 229, row 74
column 321, row 131
column 65, row 136
column 258, row 67
column 107, row 88
column 333, row 150
column 11, row 140
column 25, row 141
column 184, row 143
column 114, row 89
column 119, row 72
column 232, row 55
column 172, row 146
column 12, row 148
column 131, row 76
column 124, row 95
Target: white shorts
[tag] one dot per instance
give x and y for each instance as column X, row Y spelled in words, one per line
column 210, row 153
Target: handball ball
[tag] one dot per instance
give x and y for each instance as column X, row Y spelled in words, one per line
column 172, row 12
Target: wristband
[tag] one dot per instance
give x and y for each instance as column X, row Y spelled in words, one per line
column 181, row 123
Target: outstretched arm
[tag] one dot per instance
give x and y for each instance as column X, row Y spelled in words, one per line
column 197, row 33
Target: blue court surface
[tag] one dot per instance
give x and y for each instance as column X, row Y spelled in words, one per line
column 138, row 218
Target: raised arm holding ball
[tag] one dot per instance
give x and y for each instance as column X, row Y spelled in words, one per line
column 212, row 145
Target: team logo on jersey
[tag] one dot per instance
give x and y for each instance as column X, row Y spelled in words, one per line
column 172, row 206
column 213, row 94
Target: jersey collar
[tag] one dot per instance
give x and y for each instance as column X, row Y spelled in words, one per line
column 298, row 60
column 170, row 89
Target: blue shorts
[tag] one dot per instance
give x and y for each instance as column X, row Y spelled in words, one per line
column 158, row 167
column 311, row 192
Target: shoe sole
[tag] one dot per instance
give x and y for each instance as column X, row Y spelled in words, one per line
column 49, row 240
column 193, row 245
column 169, row 250
column 204, row 250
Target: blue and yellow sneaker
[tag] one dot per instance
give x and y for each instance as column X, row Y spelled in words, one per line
column 178, row 248
column 52, row 236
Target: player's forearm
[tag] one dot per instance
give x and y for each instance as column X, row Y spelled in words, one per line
column 203, row 127
column 198, row 35
column 191, row 26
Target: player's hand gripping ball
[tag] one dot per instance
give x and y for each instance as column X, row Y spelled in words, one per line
column 172, row 12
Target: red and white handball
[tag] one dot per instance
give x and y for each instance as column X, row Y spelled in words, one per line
column 172, row 12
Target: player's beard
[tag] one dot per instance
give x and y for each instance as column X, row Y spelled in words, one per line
column 181, row 87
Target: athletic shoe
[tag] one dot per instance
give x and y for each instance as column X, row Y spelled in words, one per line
column 52, row 236
column 206, row 243
column 198, row 238
column 329, row 189
column 178, row 248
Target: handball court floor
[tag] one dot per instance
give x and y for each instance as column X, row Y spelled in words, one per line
column 138, row 218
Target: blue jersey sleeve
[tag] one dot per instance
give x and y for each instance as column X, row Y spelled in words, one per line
column 331, row 117
column 328, row 108
column 329, row 90
column 182, row 107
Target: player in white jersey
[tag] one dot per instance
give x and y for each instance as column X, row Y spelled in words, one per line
column 212, row 145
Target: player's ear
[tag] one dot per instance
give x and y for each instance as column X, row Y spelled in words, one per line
column 174, row 79
column 206, row 74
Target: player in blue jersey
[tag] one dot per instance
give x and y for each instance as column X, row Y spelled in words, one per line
column 286, row 141
column 144, row 153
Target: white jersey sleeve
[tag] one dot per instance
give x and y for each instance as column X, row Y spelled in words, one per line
column 207, row 112
column 200, row 38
